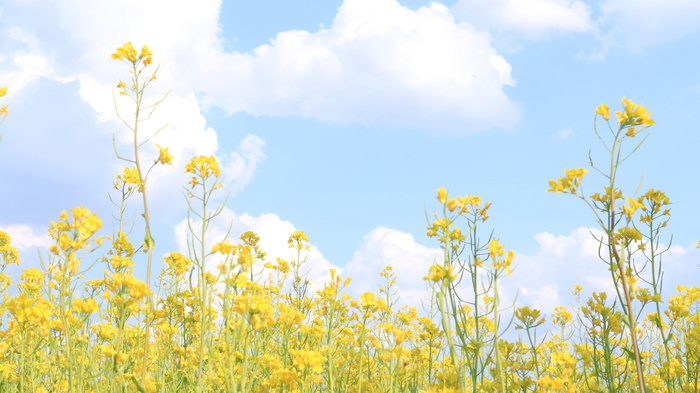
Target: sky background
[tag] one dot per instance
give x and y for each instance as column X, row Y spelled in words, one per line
column 343, row 118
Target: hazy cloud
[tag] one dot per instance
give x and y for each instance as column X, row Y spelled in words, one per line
column 529, row 19
column 636, row 24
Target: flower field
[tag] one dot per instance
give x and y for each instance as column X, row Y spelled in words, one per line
column 254, row 325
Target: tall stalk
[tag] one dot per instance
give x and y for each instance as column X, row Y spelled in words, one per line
column 632, row 120
column 127, row 54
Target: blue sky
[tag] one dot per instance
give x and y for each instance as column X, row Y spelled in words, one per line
column 343, row 118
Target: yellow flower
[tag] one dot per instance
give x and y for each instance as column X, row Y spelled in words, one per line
column 577, row 173
column 8, row 253
column 442, row 195
column 631, row 207
column 570, row 183
column 164, row 157
column 129, row 178
column 32, row 279
column 634, row 114
column 496, row 249
column 604, row 111
column 299, row 240
column 530, row 318
column 368, row 300
column 556, row 186
column 438, row 273
column 563, row 359
column 177, row 263
column 203, row 166
column 3, row 91
column 126, row 51
column 452, row 204
column 88, row 305
column 678, row 307
column 224, row 247
column 313, row 359
column 561, row 316
column 147, row 57
column 145, row 52
column 628, row 235
column 245, row 258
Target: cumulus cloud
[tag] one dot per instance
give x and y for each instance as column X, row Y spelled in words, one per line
column 380, row 248
column 26, row 237
column 531, row 19
column 89, row 33
column 410, row 261
column 546, row 279
column 273, row 233
column 379, row 62
column 543, row 280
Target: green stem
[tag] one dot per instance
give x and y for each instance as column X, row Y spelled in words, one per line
column 202, row 290
column 621, row 261
column 150, row 243
column 496, row 321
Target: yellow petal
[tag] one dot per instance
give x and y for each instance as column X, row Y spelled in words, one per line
column 604, row 111
column 442, row 195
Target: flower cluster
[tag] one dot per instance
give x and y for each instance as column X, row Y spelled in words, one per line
column 127, row 52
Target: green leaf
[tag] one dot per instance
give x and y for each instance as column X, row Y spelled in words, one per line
column 150, row 243
column 668, row 338
column 626, row 320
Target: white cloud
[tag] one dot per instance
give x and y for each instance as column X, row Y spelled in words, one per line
column 23, row 61
column 88, row 33
column 544, row 280
column 239, row 167
column 580, row 243
column 273, row 233
column 631, row 24
column 636, row 24
column 547, row 278
column 388, row 247
column 380, row 248
column 531, row 19
column 379, row 62
column 544, row 298
column 25, row 237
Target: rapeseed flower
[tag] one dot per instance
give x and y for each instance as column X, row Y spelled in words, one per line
column 8, row 253
column 164, row 156
column 604, row 111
